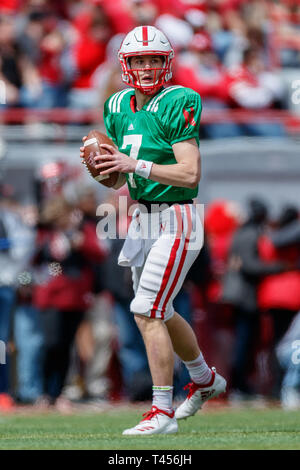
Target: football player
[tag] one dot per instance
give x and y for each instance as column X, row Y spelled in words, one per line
column 156, row 133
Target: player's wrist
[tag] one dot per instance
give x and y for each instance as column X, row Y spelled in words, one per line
column 143, row 168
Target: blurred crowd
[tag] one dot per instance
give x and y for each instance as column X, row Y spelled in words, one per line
column 64, row 53
column 64, row 303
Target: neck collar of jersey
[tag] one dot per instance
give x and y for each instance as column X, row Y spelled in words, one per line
column 133, row 106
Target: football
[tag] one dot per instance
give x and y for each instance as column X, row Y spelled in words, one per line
column 91, row 147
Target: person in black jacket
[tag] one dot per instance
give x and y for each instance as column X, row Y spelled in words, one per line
column 245, row 270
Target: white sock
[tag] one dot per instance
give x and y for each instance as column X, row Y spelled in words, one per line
column 163, row 397
column 199, row 371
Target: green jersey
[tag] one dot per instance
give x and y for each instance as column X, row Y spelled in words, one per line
column 172, row 115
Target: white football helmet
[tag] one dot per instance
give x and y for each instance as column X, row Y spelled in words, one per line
column 146, row 40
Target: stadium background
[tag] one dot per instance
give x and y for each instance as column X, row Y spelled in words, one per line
column 57, row 67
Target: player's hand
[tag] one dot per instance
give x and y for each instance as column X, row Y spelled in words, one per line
column 82, row 148
column 114, row 161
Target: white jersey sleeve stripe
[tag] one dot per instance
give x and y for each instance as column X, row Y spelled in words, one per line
column 111, row 102
column 153, row 100
column 114, row 107
column 121, row 96
column 115, row 101
column 153, row 105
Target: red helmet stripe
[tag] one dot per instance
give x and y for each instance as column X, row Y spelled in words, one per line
column 145, row 36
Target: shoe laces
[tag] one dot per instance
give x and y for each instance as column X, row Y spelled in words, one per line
column 192, row 388
column 150, row 414
column 156, row 411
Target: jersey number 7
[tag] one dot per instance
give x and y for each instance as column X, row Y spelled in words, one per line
column 135, row 140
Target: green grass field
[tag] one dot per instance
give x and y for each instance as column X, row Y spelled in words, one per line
column 227, row 429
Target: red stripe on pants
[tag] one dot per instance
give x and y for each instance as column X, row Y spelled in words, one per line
column 181, row 262
column 170, row 264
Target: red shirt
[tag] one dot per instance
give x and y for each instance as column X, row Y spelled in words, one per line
column 62, row 290
column 279, row 290
column 88, row 54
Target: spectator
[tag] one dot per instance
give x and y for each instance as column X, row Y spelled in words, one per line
column 285, row 17
column 245, row 270
column 200, row 69
column 230, row 37
column 251, row 86
column 63, row 292
column 222, row 219
column 107, row 78
column 119, row 13
column 287, row 352
column 279, row 294
column 176, row 29
column 87, row 54
column 15, row 68
column 98, row 325
column 28, row 335
column 15, row 250
column 197, row 19
column 288, row 233
column 143, row 12
column 43, row 39
column 49, row 47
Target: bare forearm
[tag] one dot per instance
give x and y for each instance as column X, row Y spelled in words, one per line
column 178, row 174
column 185, row 173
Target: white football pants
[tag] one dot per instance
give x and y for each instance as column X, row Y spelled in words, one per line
column 175, row 238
